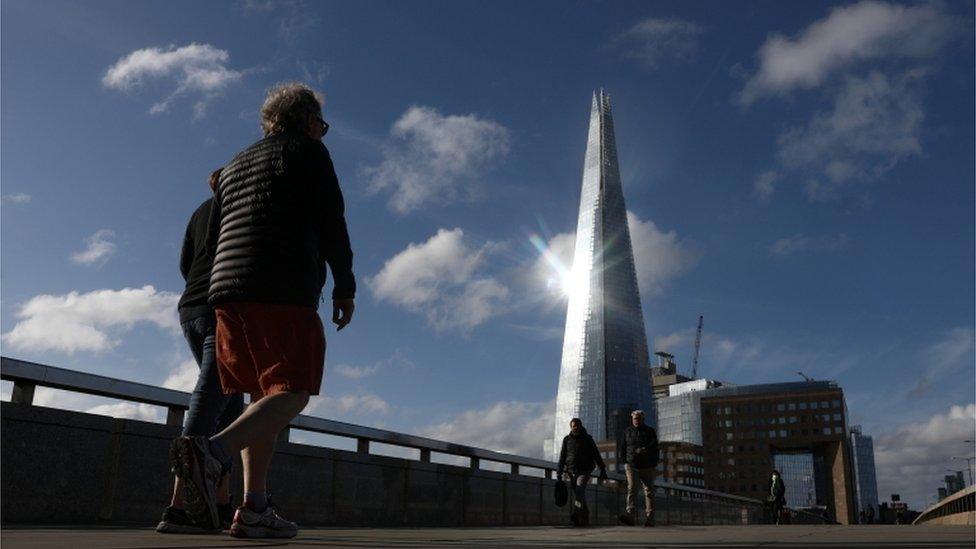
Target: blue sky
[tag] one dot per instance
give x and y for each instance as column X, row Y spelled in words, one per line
column 799, row 173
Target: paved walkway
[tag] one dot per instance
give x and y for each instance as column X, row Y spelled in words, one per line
column 793, row 537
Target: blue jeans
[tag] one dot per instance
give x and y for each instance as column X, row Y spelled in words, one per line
column 210, row 409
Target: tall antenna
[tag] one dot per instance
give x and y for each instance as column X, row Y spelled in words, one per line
column 694, row 356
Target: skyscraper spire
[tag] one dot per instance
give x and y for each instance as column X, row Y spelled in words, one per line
column 605, row 358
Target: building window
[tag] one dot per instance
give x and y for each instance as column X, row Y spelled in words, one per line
column 792, row 419
column 772, row 434
column 836, row 417
column 835, row 404
column 782, row 434
column 823, row 404
column 782, row 420
column 728, row 436
column 780, row 407
column 792, row 406
column 826, row 430
column 732, row 462
column 839, row 430
column 826, row 418
column 728, row 423
column 813, row 405
column 803, row 405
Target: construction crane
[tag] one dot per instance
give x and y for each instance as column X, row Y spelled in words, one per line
column 805, row 377
column 694, row 356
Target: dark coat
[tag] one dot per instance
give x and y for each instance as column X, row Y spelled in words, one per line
column 642, row 438
column 579, row 454
column 195, row 265
column 776, row 490
column 278, row 218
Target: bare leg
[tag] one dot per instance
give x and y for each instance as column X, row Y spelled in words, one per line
column 257, row 459
column 263, row 420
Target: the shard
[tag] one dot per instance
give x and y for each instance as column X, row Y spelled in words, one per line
column 604, row 373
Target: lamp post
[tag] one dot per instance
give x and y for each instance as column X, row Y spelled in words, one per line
column 969, row 466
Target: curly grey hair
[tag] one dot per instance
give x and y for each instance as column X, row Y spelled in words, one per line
column 287, row 107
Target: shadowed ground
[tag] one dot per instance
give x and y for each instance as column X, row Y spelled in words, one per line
column 793, row 537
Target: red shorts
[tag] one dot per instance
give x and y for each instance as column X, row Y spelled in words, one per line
column 267, row 348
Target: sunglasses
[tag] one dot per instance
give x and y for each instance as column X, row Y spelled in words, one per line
column 325, row 125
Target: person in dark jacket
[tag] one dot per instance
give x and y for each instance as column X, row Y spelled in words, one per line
column 277, row 222
column 211, row 411
column 577, row 458
column 776, row 496
column 638, row 450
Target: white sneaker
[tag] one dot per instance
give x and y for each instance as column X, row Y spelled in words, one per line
column 267, row 524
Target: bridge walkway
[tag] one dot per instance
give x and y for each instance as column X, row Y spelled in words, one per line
column 752, row 536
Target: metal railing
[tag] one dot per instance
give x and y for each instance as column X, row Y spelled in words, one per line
column 27, row 376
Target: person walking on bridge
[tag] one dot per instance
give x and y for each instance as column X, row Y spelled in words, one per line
column 776, row 496
column 211, row 411
column 278, row 219
column 638, row 450
column 577, row 458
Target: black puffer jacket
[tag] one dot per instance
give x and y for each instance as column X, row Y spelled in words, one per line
column 579, row 454
column 638, row 447
column 278, row 218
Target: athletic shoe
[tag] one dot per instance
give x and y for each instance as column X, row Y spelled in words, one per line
column 175, row 521
column 649, row 521
column 626, row 518
column 201, row 473
column 249, row 523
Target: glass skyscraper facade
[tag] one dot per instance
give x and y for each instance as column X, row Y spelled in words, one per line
column 605, row 367
column 865, row 480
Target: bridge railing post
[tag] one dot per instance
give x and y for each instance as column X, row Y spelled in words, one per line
column 23, row 393
column 425, row 455
column 174, row 416
column 475, row 463
column 362, row 445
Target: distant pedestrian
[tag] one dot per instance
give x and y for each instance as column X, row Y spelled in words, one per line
column 638, row 449
column 870, row 514
column 211, row 411
column 577, row 458
column 278, row 220
column 776, row 496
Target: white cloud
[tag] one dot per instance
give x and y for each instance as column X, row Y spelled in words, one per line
column 433, row 158
column 509, row 426
column 397, row 359
column 196, row 69
column 130, row 410
column 337, row 407
column 355, row 372
column 763, row 186
column 874, row 123
column 441, row 279
column 183, row 377
column 17, row 198
column 912, row 459
column 865, row 31
column 653, row 41
column 953, row 352
column 79, row 402
column 659, row 256
column 98, row 248
column 85, row 322
column 802, row 243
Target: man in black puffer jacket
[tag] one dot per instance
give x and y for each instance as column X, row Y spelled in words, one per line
column 277, row 220
column 577, row 458
column 639, row 451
